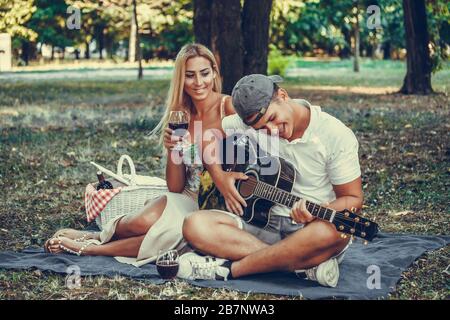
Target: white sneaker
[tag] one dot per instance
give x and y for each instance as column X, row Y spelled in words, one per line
column 193, row 267
column 326, row 273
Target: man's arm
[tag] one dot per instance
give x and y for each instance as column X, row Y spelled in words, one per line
column 348, row 195
column 224, row 181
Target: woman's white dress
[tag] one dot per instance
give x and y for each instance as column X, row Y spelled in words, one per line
column 167, row 233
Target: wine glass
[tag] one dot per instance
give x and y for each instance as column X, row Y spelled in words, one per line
column 167, row 264
column 179, row 123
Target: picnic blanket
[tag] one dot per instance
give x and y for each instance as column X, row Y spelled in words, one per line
column 367, row 272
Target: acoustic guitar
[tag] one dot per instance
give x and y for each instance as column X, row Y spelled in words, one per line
column 263, row 190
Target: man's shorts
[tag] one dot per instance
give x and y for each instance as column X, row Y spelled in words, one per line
column 279, row 227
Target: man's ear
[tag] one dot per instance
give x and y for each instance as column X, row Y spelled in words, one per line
column 282, row 94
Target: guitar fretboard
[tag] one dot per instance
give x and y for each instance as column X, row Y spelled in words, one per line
column 284, row 198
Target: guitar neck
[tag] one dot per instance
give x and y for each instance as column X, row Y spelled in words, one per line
column 284, row 198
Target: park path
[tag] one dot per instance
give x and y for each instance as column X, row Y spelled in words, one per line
column 86, row 74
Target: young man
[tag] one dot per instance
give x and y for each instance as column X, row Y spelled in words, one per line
column 325, row 154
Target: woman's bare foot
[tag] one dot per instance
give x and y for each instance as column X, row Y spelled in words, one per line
column 66, row 245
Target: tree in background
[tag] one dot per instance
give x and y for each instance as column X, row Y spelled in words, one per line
column 50, row 20
column 392, row 27
column 255, row 31
column 438, row 19
column 238, row 36
column 418, row 61
column 14, row 16
column 217, row 25
column 168, row 31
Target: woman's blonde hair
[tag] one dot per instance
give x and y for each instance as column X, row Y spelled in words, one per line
column 177, row 98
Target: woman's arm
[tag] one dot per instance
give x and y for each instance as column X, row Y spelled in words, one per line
column 175, row 168
column 175, row 174
column 224, row 181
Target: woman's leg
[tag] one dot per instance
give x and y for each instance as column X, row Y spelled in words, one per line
column 128, row 236
column 124, row 247
column 139, row 224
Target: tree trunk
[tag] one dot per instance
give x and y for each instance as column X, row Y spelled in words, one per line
column 138, row 44
column 87, row 54
column 25, row 54
column 109, row 47
column 100, row 40
column 418, row 62
column 387, row 50
column 357, row 42
column 202, row 21
column 346, row 52
column 226, row 39
column 133, row 34
column 52, row 57
column 255, row 31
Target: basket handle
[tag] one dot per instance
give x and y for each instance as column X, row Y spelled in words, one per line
column 111, row 174
column 130, row 164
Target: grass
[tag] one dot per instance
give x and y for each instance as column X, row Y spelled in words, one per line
column 51, row 130
column 373, row 73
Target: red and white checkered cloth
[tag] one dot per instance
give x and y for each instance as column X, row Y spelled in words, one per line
column 95, row 201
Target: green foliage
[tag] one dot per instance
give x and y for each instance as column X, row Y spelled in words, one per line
column 393, row 30
column 439, row 25
column 172, row 30
column 14, row 16
column 278, row 63
column 49, row 22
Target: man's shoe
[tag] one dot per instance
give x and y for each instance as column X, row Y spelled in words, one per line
column 194, row 267
column 326, row 273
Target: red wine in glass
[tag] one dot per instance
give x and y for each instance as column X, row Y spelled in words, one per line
column 176, row 126
column 167, row 269
column 179, row 123
column 167, row 264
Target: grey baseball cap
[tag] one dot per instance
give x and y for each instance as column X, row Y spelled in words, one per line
column 253, row 94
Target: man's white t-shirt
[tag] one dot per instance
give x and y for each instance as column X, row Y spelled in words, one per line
column 326, row 155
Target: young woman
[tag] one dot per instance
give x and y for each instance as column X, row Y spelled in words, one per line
column 137, row 239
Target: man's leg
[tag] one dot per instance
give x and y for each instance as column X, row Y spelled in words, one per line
column 317, row 242
column 218, row 234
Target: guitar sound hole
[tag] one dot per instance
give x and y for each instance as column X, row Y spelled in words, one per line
column 246, row 187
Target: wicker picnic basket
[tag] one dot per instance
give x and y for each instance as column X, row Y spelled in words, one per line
column 128, row 196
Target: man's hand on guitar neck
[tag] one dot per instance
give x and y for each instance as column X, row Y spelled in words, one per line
column 300, row 214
